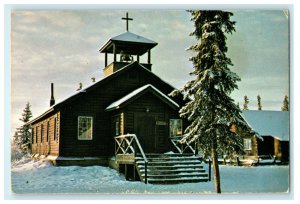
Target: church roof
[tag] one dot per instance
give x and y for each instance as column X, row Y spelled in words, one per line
column 102, row 81
column 129, row 43
column 139, row 92
column 269, row 123
column 131, row 37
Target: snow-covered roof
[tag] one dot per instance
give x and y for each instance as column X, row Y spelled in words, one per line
column 129, row 43
column 131, row 37
column 86, row 89
column 269, row 123
column 136, row 93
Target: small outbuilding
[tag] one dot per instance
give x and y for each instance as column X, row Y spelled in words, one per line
column 273, row 126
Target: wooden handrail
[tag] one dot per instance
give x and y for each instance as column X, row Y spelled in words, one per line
column 182, row 147
column 131, row 147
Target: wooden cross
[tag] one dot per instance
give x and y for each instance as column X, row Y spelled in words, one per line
column 127, row 19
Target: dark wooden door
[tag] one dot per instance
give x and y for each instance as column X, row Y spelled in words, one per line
column 152, row 132
column 145, row 130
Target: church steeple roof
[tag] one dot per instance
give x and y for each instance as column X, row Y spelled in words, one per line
column 128, row 42
column 128, row 47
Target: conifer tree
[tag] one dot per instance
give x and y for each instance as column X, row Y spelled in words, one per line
column 246, row 102
column 285, row 104
column 209, row 108
column 16, row 139
column 24, row 132
column 259, row 102
column 238, row 105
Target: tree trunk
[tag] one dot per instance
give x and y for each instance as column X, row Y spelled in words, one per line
column 215, row 164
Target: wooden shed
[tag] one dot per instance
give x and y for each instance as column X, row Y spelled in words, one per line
column 273, row 126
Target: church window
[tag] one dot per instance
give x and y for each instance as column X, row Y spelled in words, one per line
column 42, row 133
column 32, row 135
column 36, row 134
column 48, row 131
column 55, row 129
column 117, row 126
column 85, row 128
column 175, row 127
column 247, row 144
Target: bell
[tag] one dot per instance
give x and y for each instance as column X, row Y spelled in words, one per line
column 126, row 58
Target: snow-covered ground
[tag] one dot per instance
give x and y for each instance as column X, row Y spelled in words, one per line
column 40, row 177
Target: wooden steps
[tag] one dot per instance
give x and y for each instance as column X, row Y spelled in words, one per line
column 171, row 168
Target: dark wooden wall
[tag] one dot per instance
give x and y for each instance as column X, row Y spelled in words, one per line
column 43, row 146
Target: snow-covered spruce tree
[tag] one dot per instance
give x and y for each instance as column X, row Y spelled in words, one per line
column 16, row 139
column 259, row 102
column 238, row 105
column 16, row 153
column 24, row 133
column 209, row 109
column 246, row 102
column 285, row 104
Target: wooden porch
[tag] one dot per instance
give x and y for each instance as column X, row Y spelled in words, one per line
column 184, row 166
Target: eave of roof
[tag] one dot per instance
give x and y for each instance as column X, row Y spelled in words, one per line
column 138, row 92
column 41, row 116
column 129, row 38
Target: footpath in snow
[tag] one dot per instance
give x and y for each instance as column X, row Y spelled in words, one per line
column 29, row 176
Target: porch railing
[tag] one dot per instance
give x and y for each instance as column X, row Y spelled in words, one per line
column 129, row 145
column 183, row 147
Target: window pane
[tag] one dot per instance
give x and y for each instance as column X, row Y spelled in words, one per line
column 54, row 129
column 175, row 127
column 48, row 130
column 85, row 128
column 36, row 134
column 117, row 127
column 247, row 144
column 32, row 135
column 42, row 133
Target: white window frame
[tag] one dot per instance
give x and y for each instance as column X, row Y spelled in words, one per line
column 79, row 137
column 247, row 144
column 170, row 128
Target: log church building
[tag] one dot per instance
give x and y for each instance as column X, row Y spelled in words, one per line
column 129, row 99
column 125, row 114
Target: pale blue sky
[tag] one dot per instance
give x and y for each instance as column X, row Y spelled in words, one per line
column 62, row 47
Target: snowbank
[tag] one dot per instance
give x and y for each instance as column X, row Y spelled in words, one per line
column 40, row 177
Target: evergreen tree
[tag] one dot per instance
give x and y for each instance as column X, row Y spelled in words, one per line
column 16, row 153
column 246, row 102
column 259, row 102
column 16, row 138
column 285, row 104
column 209, row 108
column 24, row 132
column 238, row 105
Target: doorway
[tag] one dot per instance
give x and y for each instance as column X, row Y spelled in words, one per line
column 145, row 131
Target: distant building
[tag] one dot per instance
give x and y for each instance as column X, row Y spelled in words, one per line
column 273, row 126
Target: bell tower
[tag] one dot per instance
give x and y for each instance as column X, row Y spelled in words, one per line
column 126, row 48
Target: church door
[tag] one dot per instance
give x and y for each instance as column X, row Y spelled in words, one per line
column 145, row 131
